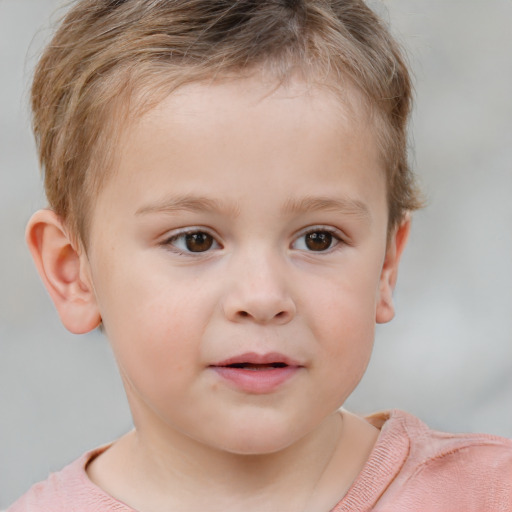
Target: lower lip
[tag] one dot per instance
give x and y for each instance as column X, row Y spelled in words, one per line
column 256, row 381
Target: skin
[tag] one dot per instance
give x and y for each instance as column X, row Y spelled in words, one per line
column 252, row 169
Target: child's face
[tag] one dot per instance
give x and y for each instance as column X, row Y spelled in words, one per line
column 244, row 225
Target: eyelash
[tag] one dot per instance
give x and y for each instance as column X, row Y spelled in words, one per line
column 170, row 243
column 334, row 242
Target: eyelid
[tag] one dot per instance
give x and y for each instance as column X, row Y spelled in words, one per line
column 335, row 232
column 167, row 242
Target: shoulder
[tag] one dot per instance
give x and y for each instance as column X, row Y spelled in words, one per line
column 469, row 471
column 42, row 496
column 68, row 490
column 473, row 454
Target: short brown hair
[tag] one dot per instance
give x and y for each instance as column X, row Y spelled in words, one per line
column 107, row 50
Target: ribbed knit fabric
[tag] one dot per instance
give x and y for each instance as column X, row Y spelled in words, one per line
column 415, row 469
column 411, row 468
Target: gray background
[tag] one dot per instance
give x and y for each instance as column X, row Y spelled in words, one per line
column 447, row 357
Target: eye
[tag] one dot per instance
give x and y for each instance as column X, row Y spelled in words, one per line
column 317, row 240
column 192, row 241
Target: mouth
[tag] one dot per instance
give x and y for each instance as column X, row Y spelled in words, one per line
column 254, row 361
column 256, row 367
column 256, row 373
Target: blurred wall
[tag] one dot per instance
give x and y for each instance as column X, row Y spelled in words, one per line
column 447, row 356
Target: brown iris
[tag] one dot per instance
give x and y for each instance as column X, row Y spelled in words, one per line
column 318, row 240
column 198, row 242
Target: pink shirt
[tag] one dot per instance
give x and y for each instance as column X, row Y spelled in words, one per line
column 411, row 468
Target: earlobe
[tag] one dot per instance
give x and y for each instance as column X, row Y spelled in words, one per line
column 64, row 272
column 385, row 310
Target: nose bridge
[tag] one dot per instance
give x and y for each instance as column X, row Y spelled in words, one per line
column 259, row 290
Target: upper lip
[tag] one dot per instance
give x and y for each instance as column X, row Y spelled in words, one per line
column 253, row 358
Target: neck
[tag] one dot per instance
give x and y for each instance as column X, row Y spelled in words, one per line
column 164, row 471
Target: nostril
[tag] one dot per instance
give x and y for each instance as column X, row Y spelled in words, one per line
column 262, row 315
column 245, row 314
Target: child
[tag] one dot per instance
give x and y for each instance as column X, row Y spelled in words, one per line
column 230, row 199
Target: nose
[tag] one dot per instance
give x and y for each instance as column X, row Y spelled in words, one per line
column 258, row 293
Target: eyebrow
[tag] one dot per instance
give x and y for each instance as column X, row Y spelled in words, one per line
column 189, row 203
column 306, row 204
column 346, row 206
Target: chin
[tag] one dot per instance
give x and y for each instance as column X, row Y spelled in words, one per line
column 256, row 446
column 258, row 439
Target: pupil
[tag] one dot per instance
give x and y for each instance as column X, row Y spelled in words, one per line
column 318, row 241
column 198, row 242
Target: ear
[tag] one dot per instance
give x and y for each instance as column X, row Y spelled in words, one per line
column 385, row 310
column 64, row 269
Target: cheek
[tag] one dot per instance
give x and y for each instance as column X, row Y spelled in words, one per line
column 346, row 336
column 346, row 348
column 345, row 305
column 343, row 322
column 153, row 326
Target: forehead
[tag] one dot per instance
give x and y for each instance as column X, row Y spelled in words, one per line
column 146, row 95
column 247, row 104
column 211, row 103
column 152, row 87
column 246, row 126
